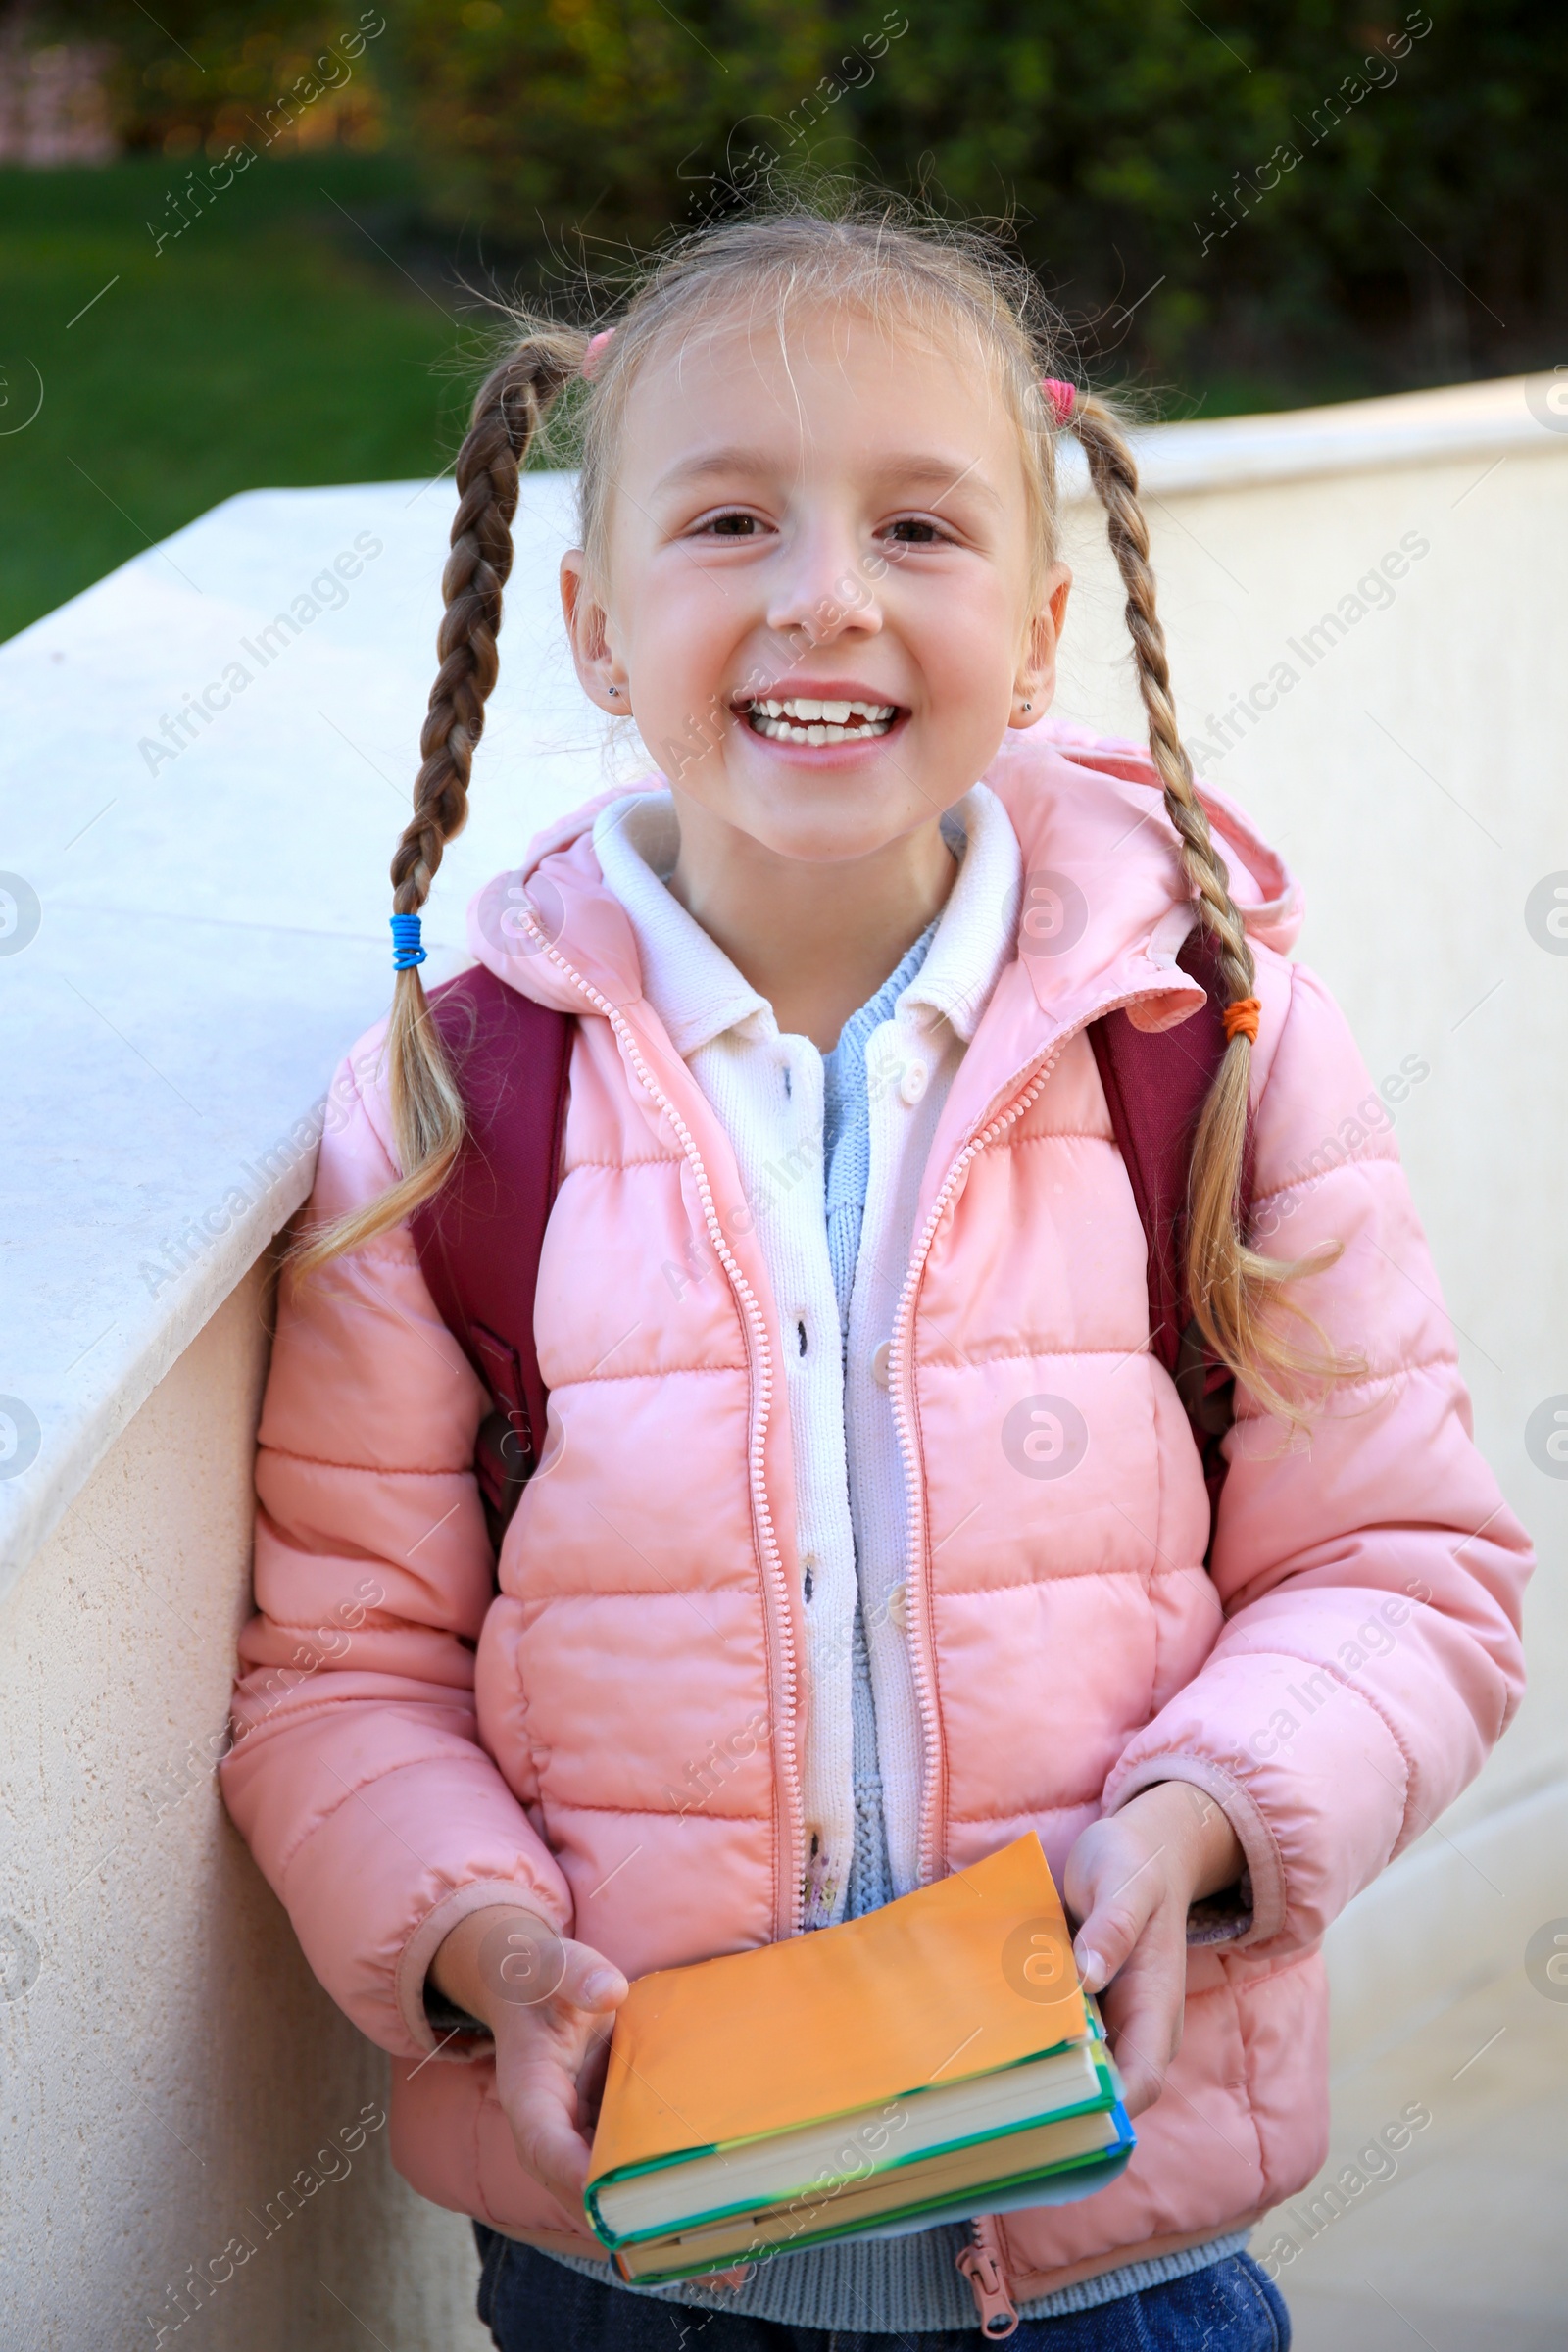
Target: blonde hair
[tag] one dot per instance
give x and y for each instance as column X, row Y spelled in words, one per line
column 912, row 273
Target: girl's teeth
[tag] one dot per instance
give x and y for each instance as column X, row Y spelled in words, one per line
column 818, row 731
column 806, row 718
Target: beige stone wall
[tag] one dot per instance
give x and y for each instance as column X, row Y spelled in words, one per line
column 169, row 2063
column 1413, row 777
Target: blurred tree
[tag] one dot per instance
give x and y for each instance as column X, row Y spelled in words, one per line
column 285, row 74
column 558, row 120
column 1319, row 191
column 1271, row 180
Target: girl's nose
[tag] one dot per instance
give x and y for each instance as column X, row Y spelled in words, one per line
column 825, row 592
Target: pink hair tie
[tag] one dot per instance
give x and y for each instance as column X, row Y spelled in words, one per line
column 590, row 358
column 1060, row 399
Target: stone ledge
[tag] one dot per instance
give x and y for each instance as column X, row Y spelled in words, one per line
column 1354, row 436
column 211, row 930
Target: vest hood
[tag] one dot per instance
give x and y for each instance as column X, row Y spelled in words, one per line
column 1104, row 908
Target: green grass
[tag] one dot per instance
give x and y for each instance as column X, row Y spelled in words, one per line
column 270, row 344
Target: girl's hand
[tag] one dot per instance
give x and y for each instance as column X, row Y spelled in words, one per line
column 549, row 2004
column 1130, row 1880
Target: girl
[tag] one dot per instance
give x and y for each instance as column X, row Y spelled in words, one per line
column 871, row 1530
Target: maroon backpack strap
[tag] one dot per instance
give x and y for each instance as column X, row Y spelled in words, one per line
column 479, row 1239
column 1156, row 1083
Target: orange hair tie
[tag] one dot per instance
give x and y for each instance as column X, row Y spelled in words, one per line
column 1241, row 1019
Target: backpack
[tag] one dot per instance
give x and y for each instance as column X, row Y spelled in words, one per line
column 480, row 1239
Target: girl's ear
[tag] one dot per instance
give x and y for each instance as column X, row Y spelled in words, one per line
column 600, row 671
column 1035, row 686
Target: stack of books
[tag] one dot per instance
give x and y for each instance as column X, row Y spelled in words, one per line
column 932, row 2061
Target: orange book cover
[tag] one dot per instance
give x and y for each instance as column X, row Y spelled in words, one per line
column 964, row 1977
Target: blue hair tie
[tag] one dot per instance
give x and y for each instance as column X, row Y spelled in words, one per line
column 406, row 949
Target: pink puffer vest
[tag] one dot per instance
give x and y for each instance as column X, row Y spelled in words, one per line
column 414, row 1745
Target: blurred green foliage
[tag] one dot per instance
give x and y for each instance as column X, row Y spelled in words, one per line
column 1138, row 147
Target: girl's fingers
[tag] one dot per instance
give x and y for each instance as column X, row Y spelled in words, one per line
column 540, row 2101
column 556, row 2154
column 1128, row 1881
column 1140, row 2047
column 1118, row 1913
column 548, row 2058
column 1142, row 2079
column 1144, row 2010
column 591, row 1982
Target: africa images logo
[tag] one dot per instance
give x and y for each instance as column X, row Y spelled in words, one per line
column 1044, row 1437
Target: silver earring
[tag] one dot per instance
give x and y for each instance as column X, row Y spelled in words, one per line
column 1027, row 706
column 615, row 690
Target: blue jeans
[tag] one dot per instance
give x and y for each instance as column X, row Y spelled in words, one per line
column 531, row 2304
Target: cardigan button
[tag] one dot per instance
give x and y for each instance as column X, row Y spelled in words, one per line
column 879, row 1362
column 917, row 1078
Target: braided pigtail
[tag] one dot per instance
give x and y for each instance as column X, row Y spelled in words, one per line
column 427, row 1106
column 1230, row 1286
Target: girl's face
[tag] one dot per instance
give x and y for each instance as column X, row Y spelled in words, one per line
column 821, row 607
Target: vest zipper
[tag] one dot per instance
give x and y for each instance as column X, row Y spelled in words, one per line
column 982, row 2265
column 981, row 2261
column 918, row 1595
column 790, row 1909
column 917, row 1598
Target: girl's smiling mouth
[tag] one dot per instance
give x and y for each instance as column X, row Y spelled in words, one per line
column 819, row 720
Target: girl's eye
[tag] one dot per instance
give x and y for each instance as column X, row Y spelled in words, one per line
column 732, row 526
column 912, row 532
